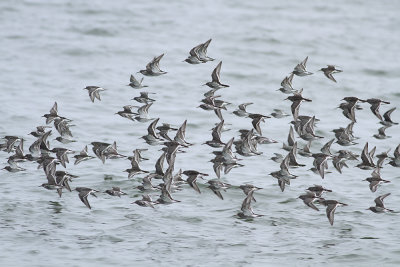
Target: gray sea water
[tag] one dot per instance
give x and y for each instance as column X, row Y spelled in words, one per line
column 50, row 50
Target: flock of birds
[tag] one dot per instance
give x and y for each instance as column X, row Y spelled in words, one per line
column 225, row 158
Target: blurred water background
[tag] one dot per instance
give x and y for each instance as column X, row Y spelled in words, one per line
column 50, row 50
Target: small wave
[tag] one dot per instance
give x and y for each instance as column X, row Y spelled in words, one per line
column 98, row 32
column 375, row 72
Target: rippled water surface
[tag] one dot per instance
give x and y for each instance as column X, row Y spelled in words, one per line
column 50, row 50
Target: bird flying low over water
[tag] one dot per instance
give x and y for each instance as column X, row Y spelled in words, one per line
column 246, row 210
column 331, row 206
column 215, row 82
column 296, row 99
column 375, row 104
column 115, row 191
column 84, row 192
column 329, row 71
column 153, row 67
column 94, row 92
column 300, row 69
column 136, row 84
column 375, row 180
column 198, row 54
column 379, row 206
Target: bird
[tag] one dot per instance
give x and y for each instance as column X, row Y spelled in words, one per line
column 326, row 149
column 345, row 136
column 165, row 197
column 159, row 173
column 305, row 127
column 127, row 112
column 395, row 160
column 290, row 139
column 40, row 130
column 202, row 52
column 11, row 142
column 320, row 163
column 146, row 201
column 62, row 155
column 309, row 198
column 146, row 183
column 375, row 104
column 84, row 192
column 143, row 112
column 115, row 191
column 338, row 162
column 106, row 151
column 135, row 83
column 153, row 67
column 375, row 180
column 246, row 210
column 300, row 69
column 192, row 177
column 198, row 54
column 366, row 158
column 247, row 188
column 283, row 175
column 64, row 140
column 278, row 158
column 329, row 71
column 256, row 120
column 278, row 114
column 152, row 138
column 305, row 151
column 216, row 186
column 331, row 206
column 82, row 156
column 194, row 57
column 181, row 134
column 62, row 126
column 241, row 111
column 379, row 206
column 381, row 158
column 387, row 121
column 164, row 129
column 216, row 136
column 286, row 84
column 144, row 98
column 52, row 114
column 94, row 92
column 63, row 178
column 215, row 78
column 293, row 157
column 381, row 133
column 14, row 168
column 135, row 166
column 318, row 190
column 41, row 144
column 52, row 184
column 296, row 99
